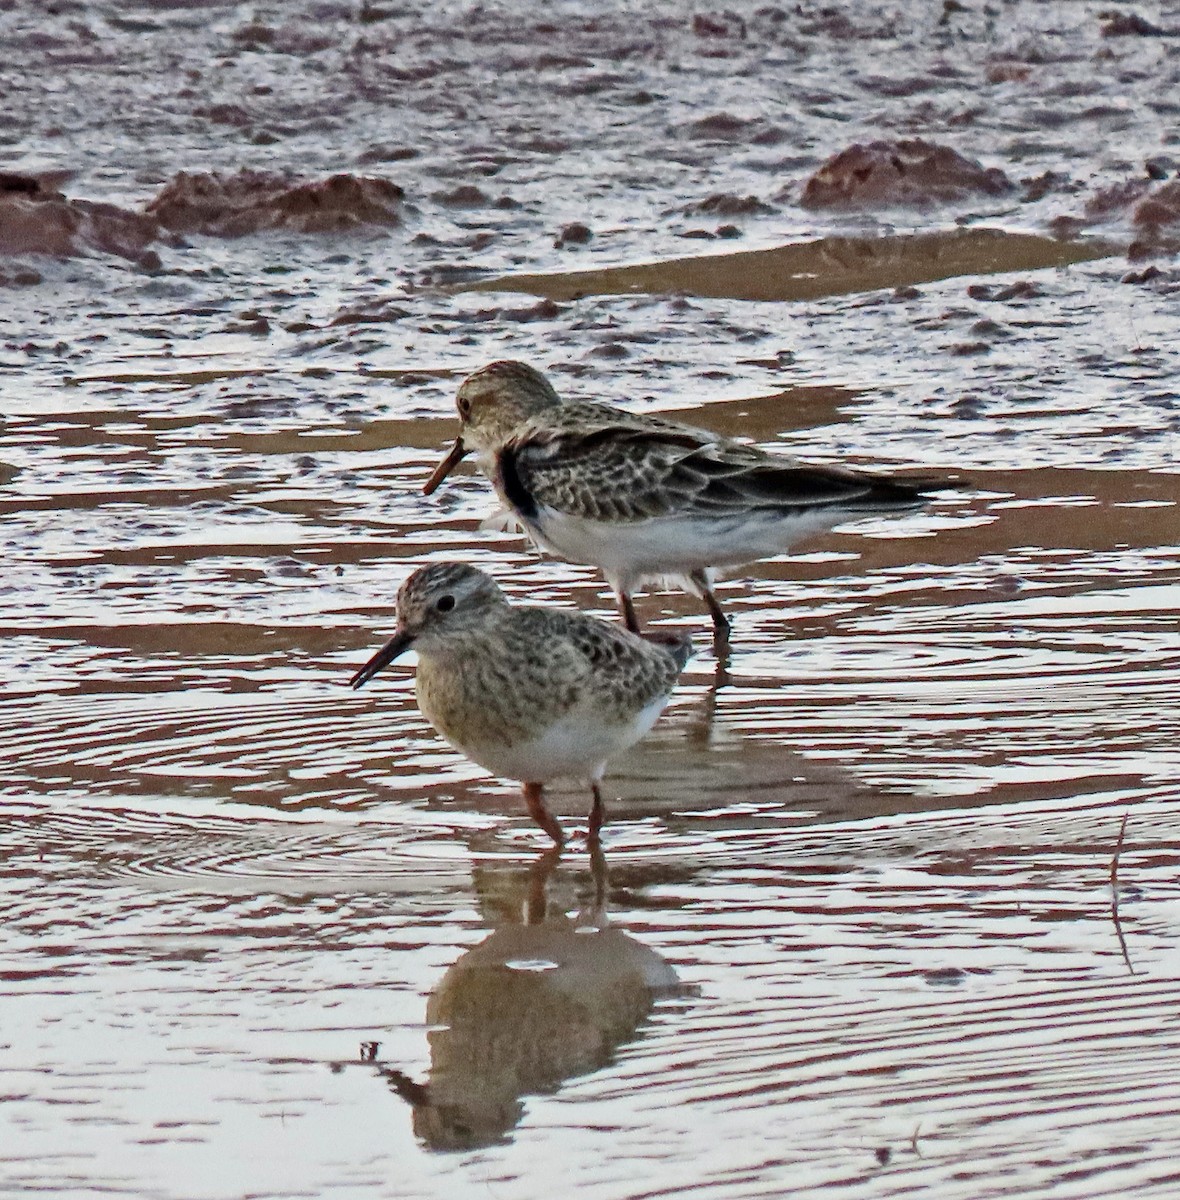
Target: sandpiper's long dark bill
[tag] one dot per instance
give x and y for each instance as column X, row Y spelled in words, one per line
column 526, row 692
column 394, row 648
column 645, row 498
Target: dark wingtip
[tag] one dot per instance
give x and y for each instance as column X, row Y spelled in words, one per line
column 928, row 485
column 905, row 491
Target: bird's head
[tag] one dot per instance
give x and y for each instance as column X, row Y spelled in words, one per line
column 493, row 403
column 433, row 605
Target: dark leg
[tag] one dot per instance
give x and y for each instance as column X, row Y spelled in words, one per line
column 540, row 814
column 720, row 620
column 597, row 813
column 628, row 611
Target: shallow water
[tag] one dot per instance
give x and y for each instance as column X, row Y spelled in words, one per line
column 856, row 930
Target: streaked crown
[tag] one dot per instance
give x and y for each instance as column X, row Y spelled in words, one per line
column 434, row 605
column 443, row 597
column 495, row 400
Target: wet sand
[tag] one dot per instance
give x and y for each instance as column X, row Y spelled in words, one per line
column 813, row 269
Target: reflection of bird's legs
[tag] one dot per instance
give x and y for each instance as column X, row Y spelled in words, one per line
column 720, row 620
column 700, row 732
column 537, row 810
column 601, row 879
column 414, row 1094
column 721, row 653
column 539, row 873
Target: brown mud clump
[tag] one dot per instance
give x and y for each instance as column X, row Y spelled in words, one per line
column 911, row 172
column 1131, row 25
column 1114, row 201
column 1160, row 207
column 1151, row 208
column 1157, row 223
column 728, row 204
column 252, row 201
column 35, row 219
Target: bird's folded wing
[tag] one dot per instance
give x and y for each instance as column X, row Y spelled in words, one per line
column 621, row 473
column 571, row 654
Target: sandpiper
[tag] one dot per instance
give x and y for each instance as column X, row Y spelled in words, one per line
column 645, row 498
column 528, row 693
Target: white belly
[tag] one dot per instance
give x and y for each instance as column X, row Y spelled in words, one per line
column 576, row 745
column 630, row 552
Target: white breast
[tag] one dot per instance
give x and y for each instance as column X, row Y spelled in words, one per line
column 576, row 745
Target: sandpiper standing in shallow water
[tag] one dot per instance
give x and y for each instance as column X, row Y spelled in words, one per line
column 529, row 693
column 645, row 498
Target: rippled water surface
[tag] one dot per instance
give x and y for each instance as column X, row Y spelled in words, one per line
column 888, row 907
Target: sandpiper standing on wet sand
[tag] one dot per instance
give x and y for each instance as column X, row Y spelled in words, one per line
column 645, row 498
column 529, row 693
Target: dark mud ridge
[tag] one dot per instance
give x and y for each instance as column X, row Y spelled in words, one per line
column 253, row 201
column 38, row 219
column 35, row 218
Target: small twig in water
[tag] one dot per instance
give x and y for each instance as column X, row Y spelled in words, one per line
column 1114, row 862
column 1114, row 893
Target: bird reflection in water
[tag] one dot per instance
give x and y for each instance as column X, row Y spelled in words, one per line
column 544, row 998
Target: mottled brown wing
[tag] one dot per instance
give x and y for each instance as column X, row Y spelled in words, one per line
column 602, row 655
column 632, row 472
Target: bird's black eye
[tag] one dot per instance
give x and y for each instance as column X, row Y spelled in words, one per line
column 464, row 406
column 445, row 603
